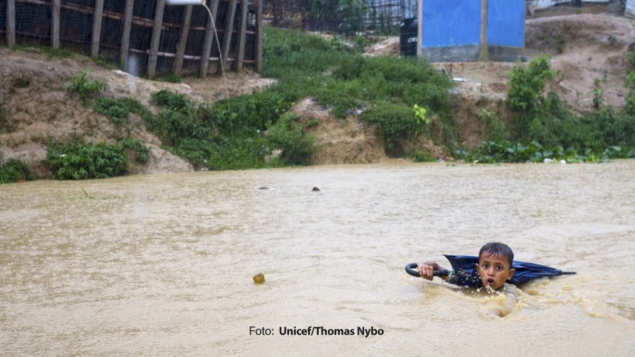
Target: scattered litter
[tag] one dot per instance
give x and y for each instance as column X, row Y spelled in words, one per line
column 122, row 73
column 315, row 189
column 563, row 162
column 457, row 79
column 548, row 161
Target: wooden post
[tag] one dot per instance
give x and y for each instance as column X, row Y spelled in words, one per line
column 419, row 27
column 125, row 35
column 229, row 29
column 99, row 11
column 240, row 44
column 156, row 38
column 11, row 23
column 259, row 36
column 484, row 53
column 180, row 48
column 209, row 39
column 55, row 24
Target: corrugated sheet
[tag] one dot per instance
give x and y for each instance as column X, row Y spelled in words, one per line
column 542, row 4
column 630, row 8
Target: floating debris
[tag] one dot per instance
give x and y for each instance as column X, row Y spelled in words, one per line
column 259, row 278
column 315, row 189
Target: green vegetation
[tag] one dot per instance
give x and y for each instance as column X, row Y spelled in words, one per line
column 14, row 170
column 384, row 89
column 49, row 51
column 545, row 129
column 297, row 148
column 420, row 156
column 84, row 87
column 81, row 161
column 171, row 78
column 115, row 110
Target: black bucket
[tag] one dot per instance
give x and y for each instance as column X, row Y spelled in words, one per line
column 408, row 37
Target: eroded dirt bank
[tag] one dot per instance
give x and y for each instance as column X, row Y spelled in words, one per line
column 34, row 109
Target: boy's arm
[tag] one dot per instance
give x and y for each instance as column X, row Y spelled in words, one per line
column 426, row 270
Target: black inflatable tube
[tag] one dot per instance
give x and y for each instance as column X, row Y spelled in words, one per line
column 412, row 270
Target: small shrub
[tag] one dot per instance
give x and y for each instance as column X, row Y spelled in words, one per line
column 394, row 123
column 113, row 109
column 171, row 78
column 297, row 148
column 173, row 101
column 136, row 147
column 239, row 153
column 81, row 161
column 14, row 170
column 84, row 87
column 248, row 114
column 526, row 84
column 497, row 131
column 420, row 156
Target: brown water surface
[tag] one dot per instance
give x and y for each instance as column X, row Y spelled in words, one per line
column 162, row 265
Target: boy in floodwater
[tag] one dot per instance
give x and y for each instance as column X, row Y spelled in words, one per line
column 494, row 269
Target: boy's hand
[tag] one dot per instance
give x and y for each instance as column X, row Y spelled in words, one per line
column 426, row 270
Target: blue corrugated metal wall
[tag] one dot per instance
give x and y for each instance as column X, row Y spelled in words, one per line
column 506, row 23
column 447, row 23
column 451, row 23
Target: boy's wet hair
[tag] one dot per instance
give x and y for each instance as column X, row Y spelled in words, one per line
column 498, row 249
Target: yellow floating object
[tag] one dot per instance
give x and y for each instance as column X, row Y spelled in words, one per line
column 259, row 278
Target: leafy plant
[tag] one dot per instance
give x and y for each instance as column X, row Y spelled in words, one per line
column 85, row 88
column 496, row 129
column 297, row 147
column 81, row 161
column 14, row 170
column 420, row 118
column 395, row 123
column 526, row 84
column 113, row 109
column 420, row 156
column 136, row 147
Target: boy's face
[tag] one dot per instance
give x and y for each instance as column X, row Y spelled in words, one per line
column 494, row 270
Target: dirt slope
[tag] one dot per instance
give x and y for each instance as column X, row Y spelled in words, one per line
column 34, row 109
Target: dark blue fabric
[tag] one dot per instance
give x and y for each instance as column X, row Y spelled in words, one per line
column 465, row 268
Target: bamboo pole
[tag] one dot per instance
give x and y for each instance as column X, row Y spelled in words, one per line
column 156, row 38
column 484, row 50
column 55, row 24
column 11, row 23
column 229, row 29
column 180, row 48
column 209, row 39
column 241, row 36
column 99, row 10
column 259, row 36
column 125, row 34
column 419, row 27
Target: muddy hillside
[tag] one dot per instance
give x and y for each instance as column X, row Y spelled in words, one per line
column 585, row 49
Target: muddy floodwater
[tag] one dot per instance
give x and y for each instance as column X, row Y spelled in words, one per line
column 162, row 265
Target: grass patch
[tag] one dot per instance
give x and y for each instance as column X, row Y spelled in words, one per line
column 46, row 50
column 83, row 87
